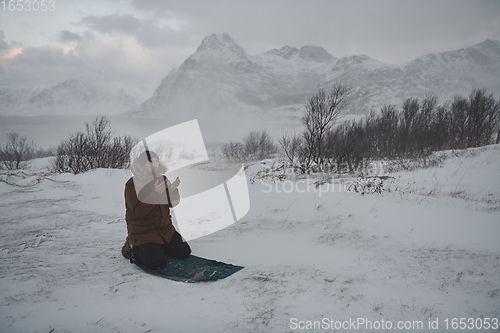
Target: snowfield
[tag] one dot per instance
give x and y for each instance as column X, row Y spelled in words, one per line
column 423, row 252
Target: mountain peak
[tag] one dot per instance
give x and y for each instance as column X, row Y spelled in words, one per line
column 315, row 53
column 489, row 43
column 285, row 52
column 488, row 46
column 360, row 60
column 220, row 43
column 308, row 53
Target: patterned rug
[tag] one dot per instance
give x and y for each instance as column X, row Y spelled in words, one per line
column 193, row 269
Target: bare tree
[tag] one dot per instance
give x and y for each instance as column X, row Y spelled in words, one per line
column 484, row 116
column 71, row 155
column 98, row 138
column 233, row 151
column 118, row 154
column 17, row 152
column 346, row 146
column 440, row 129
column 257, row 145
column 423, row 122
column 459, row 120
column 295, row 150
column 290, row 146
column 411, row 107
column 387, row 133
column 94, row 149
column 322, row 110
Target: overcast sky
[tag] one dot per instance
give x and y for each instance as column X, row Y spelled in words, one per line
column 137, row 42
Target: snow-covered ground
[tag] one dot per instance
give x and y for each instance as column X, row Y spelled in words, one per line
column 426, row 250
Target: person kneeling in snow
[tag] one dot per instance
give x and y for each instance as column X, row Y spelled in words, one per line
column 152, row 237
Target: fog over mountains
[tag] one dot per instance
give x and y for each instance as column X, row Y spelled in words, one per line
column 87, row 93
column 220, row 78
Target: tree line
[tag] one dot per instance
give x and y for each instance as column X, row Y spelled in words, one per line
column 415, row 130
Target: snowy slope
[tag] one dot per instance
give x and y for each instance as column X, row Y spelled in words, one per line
column 84, row 94
column 426, row 250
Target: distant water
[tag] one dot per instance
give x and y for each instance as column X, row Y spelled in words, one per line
column 48, row 131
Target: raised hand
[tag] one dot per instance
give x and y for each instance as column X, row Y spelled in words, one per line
column 174, row 185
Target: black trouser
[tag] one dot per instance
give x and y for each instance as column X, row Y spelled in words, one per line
column 155, row 256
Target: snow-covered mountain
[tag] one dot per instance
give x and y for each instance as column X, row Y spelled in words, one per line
column 221, row 77
column 85, row 94
column 219, row 74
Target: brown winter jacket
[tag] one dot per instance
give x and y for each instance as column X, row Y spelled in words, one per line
column 148, row 222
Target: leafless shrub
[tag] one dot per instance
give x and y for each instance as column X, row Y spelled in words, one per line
column 97, row 148
column 17, row 153
column 257, row 145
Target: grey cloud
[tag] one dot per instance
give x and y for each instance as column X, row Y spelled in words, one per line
column 49, row 65
column 40, row 66
column 107, row 24
column 4, row 46
column 161, row 6
column 45, row 56
column 13, row 43
column 66, row 36
column 149, row 33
